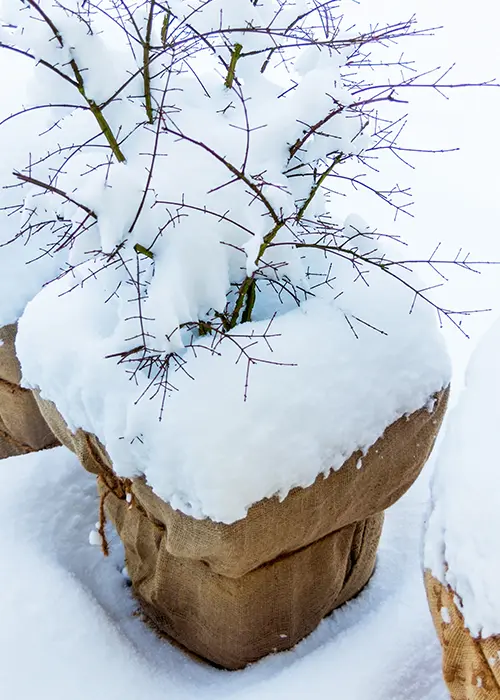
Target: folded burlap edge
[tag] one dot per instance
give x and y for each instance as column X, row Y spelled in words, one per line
column 22, row 427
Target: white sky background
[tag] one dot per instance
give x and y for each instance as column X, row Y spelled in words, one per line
column 456, row 194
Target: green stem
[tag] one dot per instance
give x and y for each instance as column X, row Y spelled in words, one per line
column 94, row 108
column 239, row 302
column 146, row 48
column 106, row 130
column 247, row 289
column 231, row 71
column 164, row 29
column 247, row 311
column 268, row 239
column 141, row 250
column 316, row 186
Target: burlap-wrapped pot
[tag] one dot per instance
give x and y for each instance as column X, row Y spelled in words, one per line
column 471, row 665
column 22, row 427
column 234, row 593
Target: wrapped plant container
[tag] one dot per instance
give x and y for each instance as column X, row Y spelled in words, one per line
column 235, row 593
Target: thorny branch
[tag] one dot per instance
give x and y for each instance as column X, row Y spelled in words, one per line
column 164, row 47
column 80, row 84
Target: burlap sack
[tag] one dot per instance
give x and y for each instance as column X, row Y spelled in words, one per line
column 22, row 428
column 234, row 593
column 471, row 666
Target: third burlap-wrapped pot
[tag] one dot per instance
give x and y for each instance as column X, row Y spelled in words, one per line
column 461, row 553
column 22, row 428
column 234, row 593
column 471, row 665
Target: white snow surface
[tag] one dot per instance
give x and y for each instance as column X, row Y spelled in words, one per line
column 149, row 247
column 214, row 454
column 23, row 267
column 190, row 215
column 67, row 613
column 461, row 546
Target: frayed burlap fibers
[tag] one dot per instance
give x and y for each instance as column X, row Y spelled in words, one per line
column 235, row 593
column 22, row 428
column 471, row 665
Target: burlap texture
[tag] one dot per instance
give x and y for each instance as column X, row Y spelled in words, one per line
column 234, row 621
column 273, row 528
column 234, row 593
column 10, row 370
column 471, row 666
column 22, row 427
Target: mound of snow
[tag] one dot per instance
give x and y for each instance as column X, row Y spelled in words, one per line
column 462, row 536
column 321, row 381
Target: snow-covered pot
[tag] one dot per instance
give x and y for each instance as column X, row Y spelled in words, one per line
column 22, row 428
column 461, row 554
column 235, row 593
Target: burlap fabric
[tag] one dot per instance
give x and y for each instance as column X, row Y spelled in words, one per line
column 22, row 428
column 471, row 666
column 234, row 593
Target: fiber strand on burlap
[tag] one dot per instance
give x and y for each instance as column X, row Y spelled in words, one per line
column 104, row 492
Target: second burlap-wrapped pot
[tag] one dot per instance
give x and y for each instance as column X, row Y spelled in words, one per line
column 22, row 427
column 234, row 593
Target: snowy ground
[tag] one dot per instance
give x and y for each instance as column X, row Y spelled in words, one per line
column 68, row 629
